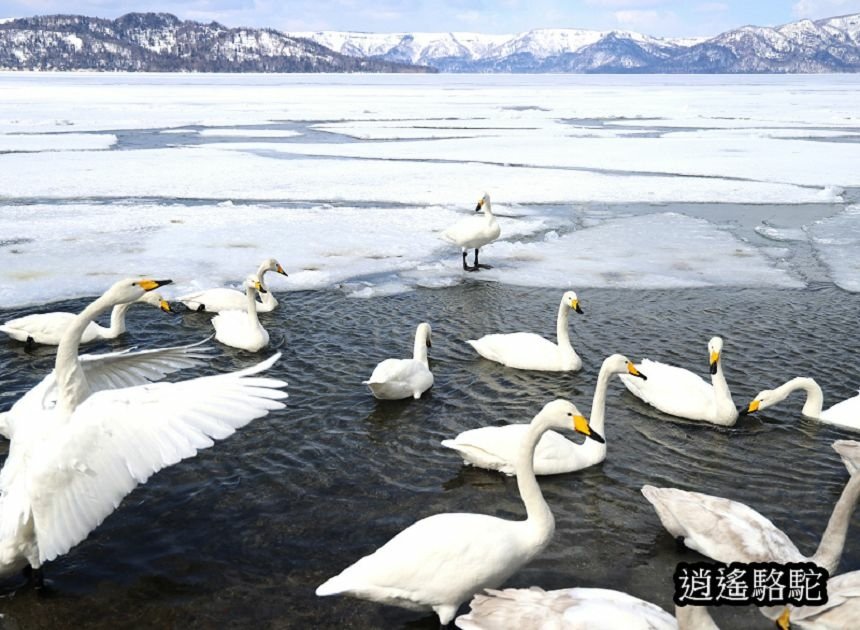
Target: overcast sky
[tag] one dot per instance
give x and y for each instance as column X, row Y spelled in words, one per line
column 672, row 18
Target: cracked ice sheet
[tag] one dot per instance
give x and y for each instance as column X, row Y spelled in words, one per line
column 205, row 246
column 665, row 250
column 837, row 241
column 269, row 172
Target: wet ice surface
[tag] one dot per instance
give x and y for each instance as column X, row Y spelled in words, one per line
column 677, row 207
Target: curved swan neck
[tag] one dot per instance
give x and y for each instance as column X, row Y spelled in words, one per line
column 561, row 331
column 265, row 298
column 71, row 381
column 597, row 418
column 833, row 541
column 419, row 349
column 539, row 517
column 488, row 210
column 117, row 319
column 814, row 396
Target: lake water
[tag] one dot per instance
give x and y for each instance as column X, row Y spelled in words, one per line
column 678, row 208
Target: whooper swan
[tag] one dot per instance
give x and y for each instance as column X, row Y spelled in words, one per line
column 217, row 300
column 242, row 329
column 529, row 351
column 48, row 328
column 441, row 561
column 475, row 232
column 844, row 414
column 74, row 458
column 394, row 379
column 496, row 448
column 681, row 393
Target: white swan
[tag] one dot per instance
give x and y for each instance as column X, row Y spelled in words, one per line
column 77, row 455
column 841, row 612
column 394, row 379
column 496, row 447
column 729, row 531
column 217, row 300
column 242, row 329
column 576, row 609
column 681, row 393
column 529, row 351
column 843, row 414
column 475, row 232
column 441, row 561
column 48, row 328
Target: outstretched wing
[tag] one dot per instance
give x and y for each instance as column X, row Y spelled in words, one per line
column 117, row 438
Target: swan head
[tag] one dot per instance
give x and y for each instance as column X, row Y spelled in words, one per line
column 253, row 282
column 715, row 349
column 132, row 289
column 570, row 300
column 764, row 399
column 423, row 332
column 563, row 414
column 154, row 298
column 271, row 264
column 483, row 201
column 619, row 364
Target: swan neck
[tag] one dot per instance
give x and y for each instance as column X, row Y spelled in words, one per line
column 252, row 304
column 718, row 380
column 488, row 210
column 833, row 541
column 117, row 319
column 265, row 298
column 419, row 349
column 814, row 396
column 71, row 380
column 561, row 328
column 539, row 517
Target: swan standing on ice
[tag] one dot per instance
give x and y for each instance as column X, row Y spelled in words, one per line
column 217, row 300
column 48, row 328
column 242, row 329
column 441, row 561
column 496, row 448
column 576, row 609
column 843, row 414
column 528, row 351
column 681, row 393
column 475, row 232
column 76, row 455
column 729, row 531
column 394, row 379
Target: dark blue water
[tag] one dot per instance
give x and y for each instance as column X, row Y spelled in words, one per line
column 241, row 535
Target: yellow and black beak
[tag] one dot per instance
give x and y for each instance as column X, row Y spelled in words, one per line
column 479, row 206
column 574, row 304
column 259, row 286
column 783, row 622
column 715, row 359
column 281, row 271
column 631, row 369
column 753, row 407
column 149, row 285
column 580, row 425
column 164, row 305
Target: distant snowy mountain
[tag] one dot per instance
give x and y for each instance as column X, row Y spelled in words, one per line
column 828, row 45
column 163, row 42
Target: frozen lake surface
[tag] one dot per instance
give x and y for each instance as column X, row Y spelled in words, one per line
column 677, row 207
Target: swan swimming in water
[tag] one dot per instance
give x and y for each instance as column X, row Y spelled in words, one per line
column 529, row 351
column 496, row 448
column 475, row 232
column 48, row 328
column 80, row 449
column 223, row 299
column 843, row 414
column 728, row 531
column 682, row 393
column 576, row 609
column 441, row 561
column 394, row 379
column 242, row 328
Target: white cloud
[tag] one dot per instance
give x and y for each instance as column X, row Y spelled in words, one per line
column 824, row 8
